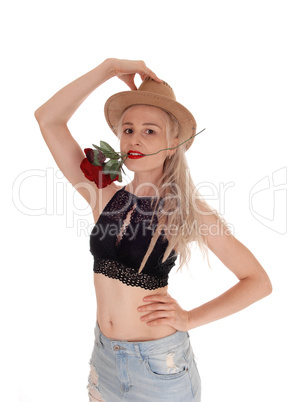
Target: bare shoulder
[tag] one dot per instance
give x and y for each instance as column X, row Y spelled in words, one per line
column 215, row 231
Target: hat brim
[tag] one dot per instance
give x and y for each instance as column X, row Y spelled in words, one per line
column 116, row 104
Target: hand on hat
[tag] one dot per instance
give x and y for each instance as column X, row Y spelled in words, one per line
column 125, row 70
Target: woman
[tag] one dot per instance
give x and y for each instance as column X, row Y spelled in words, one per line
column 142, row 350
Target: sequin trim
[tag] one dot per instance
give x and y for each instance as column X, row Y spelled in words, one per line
column 117, row 270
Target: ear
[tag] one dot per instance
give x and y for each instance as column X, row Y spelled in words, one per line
column 175, row 143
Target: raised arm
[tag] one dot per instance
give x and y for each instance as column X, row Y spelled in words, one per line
column 53, row 116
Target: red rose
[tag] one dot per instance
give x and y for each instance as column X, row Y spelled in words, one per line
column 94, row 173
column 95, row 156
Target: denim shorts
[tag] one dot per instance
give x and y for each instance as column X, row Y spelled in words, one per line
column 148, row 371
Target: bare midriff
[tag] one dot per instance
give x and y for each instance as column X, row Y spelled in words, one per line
column 117, row 303
column 117, row 313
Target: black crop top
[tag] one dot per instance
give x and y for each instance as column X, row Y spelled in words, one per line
column 118, row 247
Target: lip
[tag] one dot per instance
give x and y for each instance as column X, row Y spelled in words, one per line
column 135, row 156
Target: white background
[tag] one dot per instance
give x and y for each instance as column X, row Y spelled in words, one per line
column 234, row 64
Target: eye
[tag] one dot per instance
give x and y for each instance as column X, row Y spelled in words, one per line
column 148, row 131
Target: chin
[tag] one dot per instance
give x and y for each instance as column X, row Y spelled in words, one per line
column 137, row 166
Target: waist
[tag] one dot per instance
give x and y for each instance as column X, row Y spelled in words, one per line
column 177, row 340
column 117, row 313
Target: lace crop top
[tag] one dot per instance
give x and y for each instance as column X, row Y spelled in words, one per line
column 120, row 239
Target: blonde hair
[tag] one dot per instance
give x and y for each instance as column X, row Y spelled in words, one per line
column 178, row 191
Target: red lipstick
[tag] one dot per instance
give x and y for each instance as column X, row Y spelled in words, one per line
column 135, row 154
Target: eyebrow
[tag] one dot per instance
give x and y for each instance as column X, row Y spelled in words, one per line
column 144, row 124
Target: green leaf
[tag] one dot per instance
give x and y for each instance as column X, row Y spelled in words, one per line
column 96, row 161
column 115, row 165
column 110, row 163
column 106, row 169
column 106, row 146
column 113, row 175
column 110, row 154
column 115, row 168
column 97, row 147
column 109, row 169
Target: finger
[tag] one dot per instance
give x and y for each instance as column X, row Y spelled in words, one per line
column 129, row 80
column 143, row 76
column 156, row 314
column 159, row 298
column 154, row 76
column 131, row 84
column 155, row 306
column 160, row 321
column 149, row 73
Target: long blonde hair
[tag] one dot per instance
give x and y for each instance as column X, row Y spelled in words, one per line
column 179, row 212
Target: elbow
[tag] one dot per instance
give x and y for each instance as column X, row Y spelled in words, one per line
column 262, row 282
column 261, row 286
column 45, row 118
column 265, row 286
column 269, row 287
column 41, row 118
column 37, row 115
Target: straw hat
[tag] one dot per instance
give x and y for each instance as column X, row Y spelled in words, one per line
column 156, row 94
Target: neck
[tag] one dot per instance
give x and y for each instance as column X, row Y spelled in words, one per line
column 144, row 184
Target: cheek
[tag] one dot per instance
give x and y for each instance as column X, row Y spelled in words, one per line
column 158, row 158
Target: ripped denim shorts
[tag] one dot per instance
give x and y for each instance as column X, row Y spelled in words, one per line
column 147, row 371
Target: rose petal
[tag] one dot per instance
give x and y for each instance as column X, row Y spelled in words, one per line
column 95, row 173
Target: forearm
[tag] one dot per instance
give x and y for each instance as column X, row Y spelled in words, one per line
column 241, row 295
column 61, row 106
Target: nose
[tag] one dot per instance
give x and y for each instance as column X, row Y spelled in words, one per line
column 135, row 139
